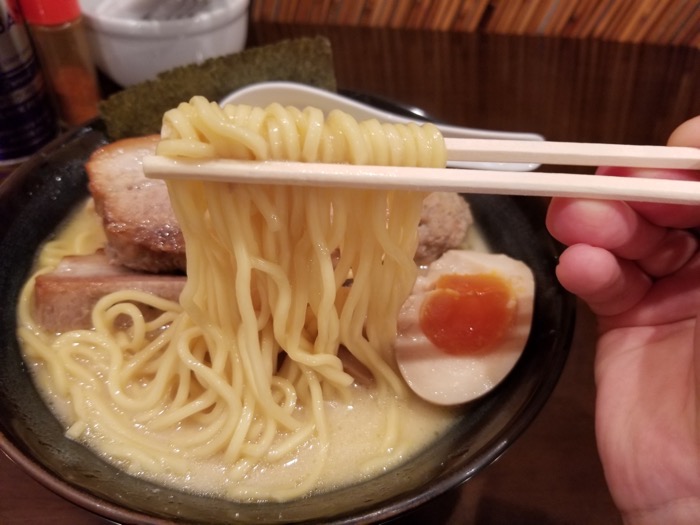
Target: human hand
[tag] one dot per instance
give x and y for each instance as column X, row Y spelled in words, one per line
column 637, row 265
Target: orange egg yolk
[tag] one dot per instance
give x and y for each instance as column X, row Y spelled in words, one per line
column 467, row 314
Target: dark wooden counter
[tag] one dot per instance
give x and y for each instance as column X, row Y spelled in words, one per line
column 564, row 89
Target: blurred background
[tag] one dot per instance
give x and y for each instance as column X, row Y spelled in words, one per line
column 587, row 70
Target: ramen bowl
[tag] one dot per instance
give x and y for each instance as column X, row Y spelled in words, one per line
column 41, row 194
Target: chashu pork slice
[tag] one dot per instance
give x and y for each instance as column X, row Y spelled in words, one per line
column 143, row 233
column 64, row 298
column 140, row 225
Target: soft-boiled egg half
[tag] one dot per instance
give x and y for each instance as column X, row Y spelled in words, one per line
column 465, row 325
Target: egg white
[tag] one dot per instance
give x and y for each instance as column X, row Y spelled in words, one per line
column 449, row 379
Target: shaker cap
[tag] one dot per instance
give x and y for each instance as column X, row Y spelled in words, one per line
column 50, row 12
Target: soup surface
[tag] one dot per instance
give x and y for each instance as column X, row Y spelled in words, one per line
column 369, row 431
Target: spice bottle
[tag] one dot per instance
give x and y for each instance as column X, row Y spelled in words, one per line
column 58, row 32
column 27, row 121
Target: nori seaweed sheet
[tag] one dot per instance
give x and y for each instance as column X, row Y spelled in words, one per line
column 138, row 110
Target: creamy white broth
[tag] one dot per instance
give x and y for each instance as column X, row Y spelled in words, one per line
column 356, row 428
column 356, row 435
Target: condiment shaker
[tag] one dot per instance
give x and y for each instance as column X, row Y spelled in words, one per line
column 58, row 32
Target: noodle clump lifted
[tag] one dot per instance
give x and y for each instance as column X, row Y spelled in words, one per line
column 280, row 280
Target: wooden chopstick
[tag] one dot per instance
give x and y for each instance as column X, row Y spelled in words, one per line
column 466, row 180
column 572, row 153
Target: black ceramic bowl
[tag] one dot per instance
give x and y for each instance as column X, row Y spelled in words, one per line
column 36, row 198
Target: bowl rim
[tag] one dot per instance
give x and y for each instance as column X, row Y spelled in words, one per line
column 393, row 508
column 222, row 13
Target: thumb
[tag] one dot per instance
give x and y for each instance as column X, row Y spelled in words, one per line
column 687, row 134
column 696, row 369
column 672, row 216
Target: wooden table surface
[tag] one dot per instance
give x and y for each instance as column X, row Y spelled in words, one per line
column 564, row 89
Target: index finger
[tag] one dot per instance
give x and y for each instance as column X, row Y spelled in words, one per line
column 672, row 216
